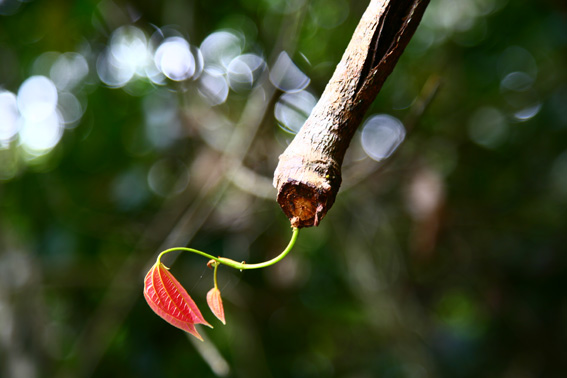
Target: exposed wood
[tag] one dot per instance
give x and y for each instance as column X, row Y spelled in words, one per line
column 308, row 175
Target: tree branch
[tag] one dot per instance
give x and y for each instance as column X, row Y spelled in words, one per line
column 308, row 175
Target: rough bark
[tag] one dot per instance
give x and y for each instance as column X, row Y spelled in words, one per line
column 308, row 175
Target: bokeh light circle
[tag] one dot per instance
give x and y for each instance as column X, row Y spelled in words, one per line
column 293, row 109
column 174, row 59
column 37, row 98
column 381, row 135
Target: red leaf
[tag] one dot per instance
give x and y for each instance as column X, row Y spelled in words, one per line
column 170, row 300
column 214, row 301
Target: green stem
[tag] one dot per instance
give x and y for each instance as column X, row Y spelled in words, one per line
column 215, row 275
column 235, row 264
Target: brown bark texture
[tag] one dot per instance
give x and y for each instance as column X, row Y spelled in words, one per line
column 308, row 175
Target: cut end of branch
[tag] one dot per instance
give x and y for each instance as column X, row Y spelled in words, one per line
column 305, row 203
column 306, row 191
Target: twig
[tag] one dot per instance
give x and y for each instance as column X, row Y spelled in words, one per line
column 308, row 175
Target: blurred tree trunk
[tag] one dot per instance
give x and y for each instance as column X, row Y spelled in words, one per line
column 308, row 175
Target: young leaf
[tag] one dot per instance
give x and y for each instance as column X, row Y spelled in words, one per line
column 214, row 301
column 170, row 300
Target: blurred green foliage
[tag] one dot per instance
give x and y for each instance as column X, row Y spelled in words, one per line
column 446, row 260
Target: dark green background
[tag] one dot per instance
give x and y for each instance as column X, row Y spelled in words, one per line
column 472, row 287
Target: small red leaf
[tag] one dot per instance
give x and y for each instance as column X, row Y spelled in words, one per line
column 214, row 301
column 170, row 300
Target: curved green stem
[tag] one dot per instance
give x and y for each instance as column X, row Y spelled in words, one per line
column 235, row 264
